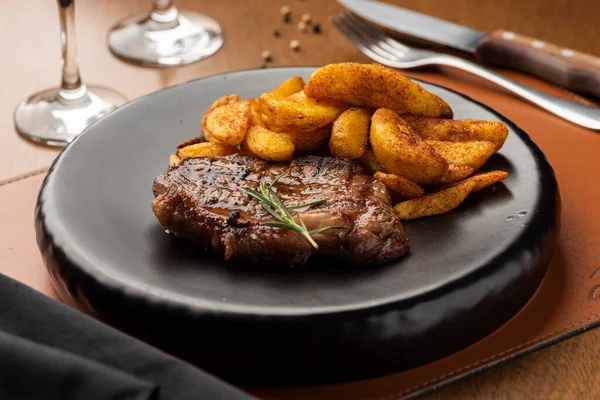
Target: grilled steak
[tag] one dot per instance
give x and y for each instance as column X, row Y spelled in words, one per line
column 202, row 199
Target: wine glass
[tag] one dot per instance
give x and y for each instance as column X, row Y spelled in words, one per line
column 56, row 116
column 165, row 36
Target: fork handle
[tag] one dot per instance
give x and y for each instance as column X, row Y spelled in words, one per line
column 579, row 114
column 568, row 68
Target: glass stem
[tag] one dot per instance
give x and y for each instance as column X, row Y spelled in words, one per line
column 163, row 11
column 71, row 87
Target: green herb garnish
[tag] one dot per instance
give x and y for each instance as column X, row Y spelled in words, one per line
column 272, row 203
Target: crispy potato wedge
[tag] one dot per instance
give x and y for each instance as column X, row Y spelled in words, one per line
column 205, row 149
column 309, row 142
column 448, row 198
column 255, row 116
column 480, row 180
column 174, row 160
column 369, row 161
column 228, row 124
column 188, row 142
column 297, row 112
column 268, row 145
column 403, row 153
column 293, row 85
column 221, row 101
column 455, row 173
column 463, row 130
column 470, row 154
column 350, row 133
column 374, row 86
column 432, row 204
column 400, row 185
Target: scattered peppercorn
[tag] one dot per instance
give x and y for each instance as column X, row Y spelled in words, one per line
column 295, row 45
column 276, row 33
column 287, row 13
column 317, row 29
column 266, row 56
column 302, row 27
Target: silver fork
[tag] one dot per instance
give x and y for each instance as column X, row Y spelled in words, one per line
column 387, row 51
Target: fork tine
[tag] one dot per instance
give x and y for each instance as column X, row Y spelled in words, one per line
column 362, row 42
column 374, row 33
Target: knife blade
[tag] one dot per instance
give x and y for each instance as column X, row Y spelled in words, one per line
column 568, row 68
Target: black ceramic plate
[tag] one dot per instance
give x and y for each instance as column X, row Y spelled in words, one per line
column 467, row 273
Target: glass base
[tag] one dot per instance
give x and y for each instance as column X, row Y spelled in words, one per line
column 56, row 117
column 188, row 37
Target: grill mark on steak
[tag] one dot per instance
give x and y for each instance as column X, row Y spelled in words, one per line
column 202, row 199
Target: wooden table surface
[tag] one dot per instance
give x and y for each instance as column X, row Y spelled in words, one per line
column 31, row 50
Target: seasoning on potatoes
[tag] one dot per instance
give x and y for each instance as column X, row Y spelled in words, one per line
column 174, row 160
column 228, row 123
column 480, row 180
column 369, row 161
column 455, row 173
column 470, row 154
column 293, row 85
column 403, row 153
column 297, row 112
column 448, row 198
column 374, row 86
column 310, row 142
column 400, row 185
column 350, row 133
column 268, row 145
column 460, row 130
column 205, row 149
column 193, row 140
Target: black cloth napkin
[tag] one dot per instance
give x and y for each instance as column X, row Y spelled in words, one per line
column 51, row 351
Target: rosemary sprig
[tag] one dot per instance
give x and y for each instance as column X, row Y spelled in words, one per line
column 272, row 203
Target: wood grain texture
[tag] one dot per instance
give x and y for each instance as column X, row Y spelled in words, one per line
column 570, row 69
column 32, row 62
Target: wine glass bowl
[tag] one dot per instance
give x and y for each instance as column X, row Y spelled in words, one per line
column 165, row 37
column 57, row 115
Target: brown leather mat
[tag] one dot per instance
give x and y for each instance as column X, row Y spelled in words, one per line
column 564, row 305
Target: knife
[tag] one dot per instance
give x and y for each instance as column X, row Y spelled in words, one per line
column 578, row 72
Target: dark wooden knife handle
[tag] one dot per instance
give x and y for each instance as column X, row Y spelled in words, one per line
column 571, row 69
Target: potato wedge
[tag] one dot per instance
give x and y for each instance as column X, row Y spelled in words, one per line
column 268, row 145
column 188, row 142
column 228, row 124
column 432, row 204
column 205, row 149
column 221, row 101
column 455, row 173
column 374, row 86
column 293, row 85
column 350, row 133
column 174, row 160
column 470, row 154
column 481, row 180
column 310, row 142
column 403, row 153
column 369, row 161
column 297, row 112
column 448, row 198
column 400, row 185
column 255, row 116
column 463, row 130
